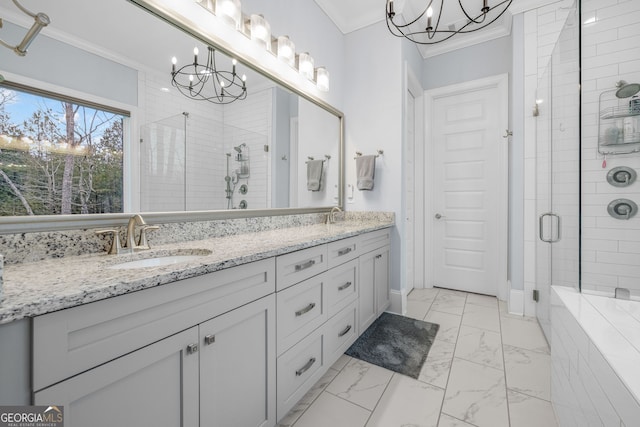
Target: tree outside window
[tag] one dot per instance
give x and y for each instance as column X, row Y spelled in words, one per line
column 58, row 156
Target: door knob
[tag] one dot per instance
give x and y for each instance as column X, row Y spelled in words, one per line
column 438, row 216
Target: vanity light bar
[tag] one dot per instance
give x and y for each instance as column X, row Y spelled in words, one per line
column 257, row 28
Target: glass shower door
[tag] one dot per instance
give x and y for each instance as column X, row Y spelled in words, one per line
column 558, row 171
column 162, row 165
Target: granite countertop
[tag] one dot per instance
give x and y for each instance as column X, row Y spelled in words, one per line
column 36, row 288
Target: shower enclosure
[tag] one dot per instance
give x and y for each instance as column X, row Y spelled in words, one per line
column 185, row 161
column 588, row 156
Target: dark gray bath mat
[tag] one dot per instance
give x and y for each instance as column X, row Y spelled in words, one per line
column 397, row 343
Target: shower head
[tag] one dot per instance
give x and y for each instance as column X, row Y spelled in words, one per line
column 239, row 148
column 625, row 90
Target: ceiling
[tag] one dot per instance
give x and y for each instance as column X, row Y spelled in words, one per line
column 123, row 32
column 352, row 15
column 118, row 30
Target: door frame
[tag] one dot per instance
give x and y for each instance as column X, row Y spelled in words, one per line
column 414, row 222
column 501, row 83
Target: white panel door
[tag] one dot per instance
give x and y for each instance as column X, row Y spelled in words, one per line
column 468, row 192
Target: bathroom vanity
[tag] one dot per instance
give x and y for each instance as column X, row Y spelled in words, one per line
column 235, row 336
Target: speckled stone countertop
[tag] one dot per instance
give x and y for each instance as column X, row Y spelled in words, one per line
column 40, row 287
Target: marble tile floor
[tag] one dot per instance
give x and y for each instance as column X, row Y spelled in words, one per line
column 486, row 368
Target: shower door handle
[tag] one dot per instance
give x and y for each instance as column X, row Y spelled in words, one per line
column 541, row 228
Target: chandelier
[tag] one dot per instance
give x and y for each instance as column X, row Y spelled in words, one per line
column 474, row 20
column 205, row 82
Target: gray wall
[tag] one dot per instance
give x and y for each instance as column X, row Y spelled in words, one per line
column 69, row 67
column 471, row 63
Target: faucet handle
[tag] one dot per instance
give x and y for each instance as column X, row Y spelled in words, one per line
column 115, row 247
column 142, row 240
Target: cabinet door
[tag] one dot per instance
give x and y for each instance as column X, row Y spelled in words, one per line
column 367, row 304
column 154, row 386
column 381, row 276
column 237, row 367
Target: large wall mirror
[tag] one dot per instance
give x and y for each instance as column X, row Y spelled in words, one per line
column 179, row 158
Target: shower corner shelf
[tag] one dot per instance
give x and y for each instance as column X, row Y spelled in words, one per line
column 612, row 111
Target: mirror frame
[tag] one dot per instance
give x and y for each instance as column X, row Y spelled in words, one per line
column 38, row 223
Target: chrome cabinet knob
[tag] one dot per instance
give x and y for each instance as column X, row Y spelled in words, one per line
column 438, row 216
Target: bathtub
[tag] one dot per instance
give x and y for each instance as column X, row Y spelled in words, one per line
column 595, row 359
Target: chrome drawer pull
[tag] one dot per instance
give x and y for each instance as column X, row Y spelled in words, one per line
column 345, row 286
column 344, row 251
column 305, row 265
column 209, row 339
column 306, row 309
column 378, row 256
column 306, row 367
column 343, row 333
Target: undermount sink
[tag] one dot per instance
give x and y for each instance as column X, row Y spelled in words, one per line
column 162, row 259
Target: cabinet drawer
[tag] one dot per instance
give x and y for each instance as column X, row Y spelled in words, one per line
column 301, row 309
column 71, row 341
column 374, row 240
column 340, row 332
column 342, row 286
column 341, row 251
column 298, row 370
column 297, row 266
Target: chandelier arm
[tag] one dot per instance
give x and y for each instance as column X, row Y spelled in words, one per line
column 473, row 20
column 397, row 28
column 409, row 23
column 488, row 23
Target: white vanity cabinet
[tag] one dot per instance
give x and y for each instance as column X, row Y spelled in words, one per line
column 374, row 277
column 219, row 373
column 237, row 347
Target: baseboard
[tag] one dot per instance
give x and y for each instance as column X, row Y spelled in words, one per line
column 516, row 301
column 398, row 302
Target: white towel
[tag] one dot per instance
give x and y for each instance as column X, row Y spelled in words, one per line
column 365, row 171
column 314, row 175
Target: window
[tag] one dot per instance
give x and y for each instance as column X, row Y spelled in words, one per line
column 58, row 155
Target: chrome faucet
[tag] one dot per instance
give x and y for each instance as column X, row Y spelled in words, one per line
column 331, row 216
